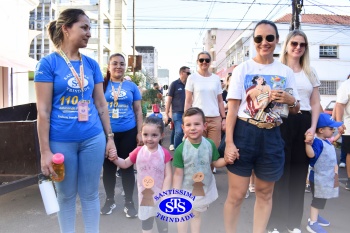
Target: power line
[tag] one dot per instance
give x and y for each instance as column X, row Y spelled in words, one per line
column 260, row 3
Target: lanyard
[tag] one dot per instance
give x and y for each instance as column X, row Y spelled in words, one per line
column 80, row 79
column 116, row 93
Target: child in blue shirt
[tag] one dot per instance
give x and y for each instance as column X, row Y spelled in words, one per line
column 324, row 170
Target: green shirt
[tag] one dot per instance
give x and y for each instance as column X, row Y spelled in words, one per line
column 178, row 161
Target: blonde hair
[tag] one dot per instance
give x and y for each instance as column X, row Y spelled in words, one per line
column 304, row 60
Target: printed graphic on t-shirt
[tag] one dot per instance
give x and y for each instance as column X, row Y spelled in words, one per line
column 258, row 89
column 122, row 107
column 68, row 103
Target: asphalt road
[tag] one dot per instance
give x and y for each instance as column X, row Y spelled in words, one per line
column 22, row 211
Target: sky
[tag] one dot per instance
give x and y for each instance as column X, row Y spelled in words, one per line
column 176, row 27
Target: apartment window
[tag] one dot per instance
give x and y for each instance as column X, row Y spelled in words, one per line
column 328, row 88
column 94, row 28
column 328, row 51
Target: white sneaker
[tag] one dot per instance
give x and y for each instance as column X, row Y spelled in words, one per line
column 295, row 230
column 274, row 231
column 171, row 147
column 252, row 188
column 247, row 195
column 214, row 170
column 342, row 165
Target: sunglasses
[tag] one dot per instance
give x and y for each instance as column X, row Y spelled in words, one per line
column 201, row 60
column 268, row 38
column 188, row 73
column 222, row 81
column 295, row 44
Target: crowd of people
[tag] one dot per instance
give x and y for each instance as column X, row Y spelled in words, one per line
column 265, row 115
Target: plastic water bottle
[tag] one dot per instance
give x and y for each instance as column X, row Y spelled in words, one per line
column 58, row 166
column 48, row 194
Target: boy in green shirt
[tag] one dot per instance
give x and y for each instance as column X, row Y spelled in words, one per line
column 192, row 160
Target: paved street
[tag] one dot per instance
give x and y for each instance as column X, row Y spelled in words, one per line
column 22, row 211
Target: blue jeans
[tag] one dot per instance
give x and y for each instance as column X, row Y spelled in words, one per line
column 172, row 137
column 83, row 163
column 177, row 118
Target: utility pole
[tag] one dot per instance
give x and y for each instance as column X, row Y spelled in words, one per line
column 133, row 39
column 297, row 6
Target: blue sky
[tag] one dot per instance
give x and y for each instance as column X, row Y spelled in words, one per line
column 176, row 27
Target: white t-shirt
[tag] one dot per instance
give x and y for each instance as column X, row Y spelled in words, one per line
column 205, row 92
column 343, row 97
column 305, row 88
column 275, row 75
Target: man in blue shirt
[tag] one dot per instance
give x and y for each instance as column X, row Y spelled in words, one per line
column 176, row 100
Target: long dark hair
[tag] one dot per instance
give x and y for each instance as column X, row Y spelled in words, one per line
column 108, row 74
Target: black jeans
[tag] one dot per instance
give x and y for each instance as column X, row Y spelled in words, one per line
column 125, row 143
column 289, row 191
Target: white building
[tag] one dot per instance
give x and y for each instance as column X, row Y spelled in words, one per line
column 149, row 63
column 216, row 42
column 14, row 49
column 328, row 37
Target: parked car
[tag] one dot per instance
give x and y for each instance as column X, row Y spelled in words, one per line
column 329, row 107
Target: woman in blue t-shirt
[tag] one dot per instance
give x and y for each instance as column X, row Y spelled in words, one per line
column 73, row 119
column 125, row 112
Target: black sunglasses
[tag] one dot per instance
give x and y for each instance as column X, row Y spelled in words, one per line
column 268, row 38
column 188, row 73
column 201, row 60
column 295, row 44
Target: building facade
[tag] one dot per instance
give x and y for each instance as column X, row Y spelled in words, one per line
column 216, row 42
column 149, row 63
column 14, row 51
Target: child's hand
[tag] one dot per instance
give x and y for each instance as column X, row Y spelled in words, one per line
column 309, row 138
column 112, row 154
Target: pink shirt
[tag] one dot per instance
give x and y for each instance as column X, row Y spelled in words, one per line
column 133, row 155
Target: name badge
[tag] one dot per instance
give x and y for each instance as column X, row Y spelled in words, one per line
column 83, row 111
column 115, row 113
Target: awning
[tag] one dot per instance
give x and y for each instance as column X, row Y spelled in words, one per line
column 25, row 63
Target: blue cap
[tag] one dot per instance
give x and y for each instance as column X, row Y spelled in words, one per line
column 326, row 120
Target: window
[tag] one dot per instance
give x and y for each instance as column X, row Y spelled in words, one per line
column 328, row 88
column 328, row 51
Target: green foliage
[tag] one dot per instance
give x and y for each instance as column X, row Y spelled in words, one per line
column 150, row 95
column 137, row 79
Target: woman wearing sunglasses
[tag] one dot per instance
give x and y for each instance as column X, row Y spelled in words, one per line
column 203, row 90
column 255, row 142
column 288, row 196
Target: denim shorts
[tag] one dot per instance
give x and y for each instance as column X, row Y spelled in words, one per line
column 345, row 144
column 259, row 149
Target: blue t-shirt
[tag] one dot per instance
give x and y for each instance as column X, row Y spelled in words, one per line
column 127, row 95
column 64, row 124
column 317, row 146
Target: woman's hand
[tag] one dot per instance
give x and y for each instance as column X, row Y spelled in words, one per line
column 46, row 164
column 110, row 146
column 281, row 96
column 112, row 154
column 223, row 124
column 231, row 153
column 309, row 138
column 139, row 139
